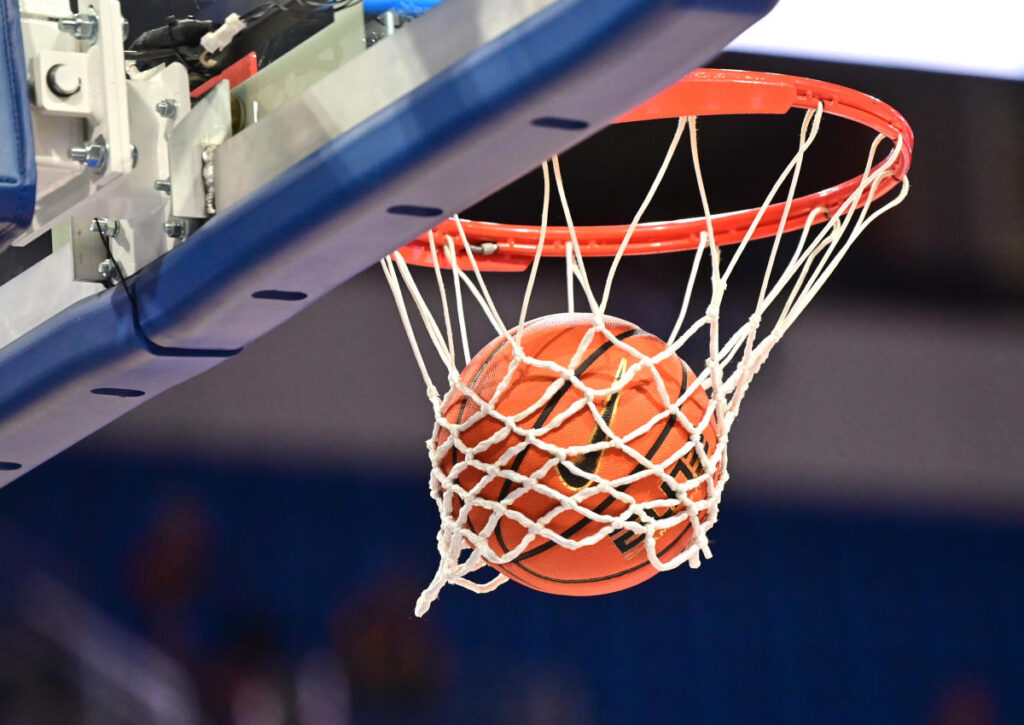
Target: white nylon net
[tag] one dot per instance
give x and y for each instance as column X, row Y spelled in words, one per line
column 797, row 267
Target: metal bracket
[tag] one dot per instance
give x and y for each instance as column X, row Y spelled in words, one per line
column 77, row 76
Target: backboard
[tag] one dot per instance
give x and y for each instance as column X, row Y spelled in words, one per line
column 328, row 159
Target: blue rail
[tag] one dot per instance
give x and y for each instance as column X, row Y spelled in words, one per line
column 339, row 210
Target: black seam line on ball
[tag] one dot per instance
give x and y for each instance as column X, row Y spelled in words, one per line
column 548, row 410
column 544, row 414
column 600, row 508
column 557, row 398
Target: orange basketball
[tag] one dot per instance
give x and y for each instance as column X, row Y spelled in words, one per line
column 619, row 560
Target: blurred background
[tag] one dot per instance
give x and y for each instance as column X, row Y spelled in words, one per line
column 246, row 549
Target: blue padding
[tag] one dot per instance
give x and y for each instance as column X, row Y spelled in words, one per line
column 17, row 151
column 445, row 146
column 77, row 372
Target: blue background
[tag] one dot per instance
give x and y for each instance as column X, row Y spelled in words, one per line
column 801, row 616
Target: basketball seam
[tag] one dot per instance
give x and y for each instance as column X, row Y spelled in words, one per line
column 600, row 507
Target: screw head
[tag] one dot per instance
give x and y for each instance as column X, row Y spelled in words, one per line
column 168, row 108
column 107, row 227
column 92, row 155
column 83, row 26
column 107, row 269
column 174, row 228
column 95, row 156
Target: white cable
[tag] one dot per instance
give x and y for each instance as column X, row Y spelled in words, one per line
column 217, row 40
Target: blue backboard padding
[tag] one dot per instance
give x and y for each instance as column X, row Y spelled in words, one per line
column 17, row 151
column 74, row 374
column 448, row 144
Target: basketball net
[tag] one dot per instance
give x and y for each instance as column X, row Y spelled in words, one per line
column 798, row 266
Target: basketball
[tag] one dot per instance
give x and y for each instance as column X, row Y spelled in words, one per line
column 619, row 560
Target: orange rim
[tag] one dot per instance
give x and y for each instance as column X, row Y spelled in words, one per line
column 704, row 92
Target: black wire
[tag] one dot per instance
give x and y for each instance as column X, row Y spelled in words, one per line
column 173, row 41
column 121, row 277
column 152, row 346
column 189, row 52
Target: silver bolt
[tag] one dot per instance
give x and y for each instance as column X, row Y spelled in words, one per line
column 163, row 185
column 107, row 269
column 168, row 108
column 107, row 227
column 92, row 155
column 82, row 26
column 174, row 228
